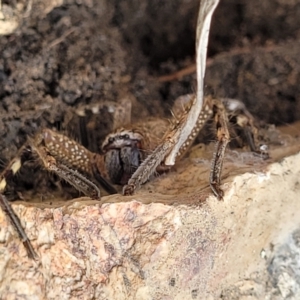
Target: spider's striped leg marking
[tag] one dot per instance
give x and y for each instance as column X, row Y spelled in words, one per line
column 81, row 183
column 15, row 221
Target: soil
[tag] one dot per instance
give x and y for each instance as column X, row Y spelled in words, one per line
column 76, row 53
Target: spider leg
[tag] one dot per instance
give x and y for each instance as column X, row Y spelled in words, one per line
column 261, row 150
column 223, row 138
column 75, row 156
column 251, row 134
column 103, row 182
column 47, row 157
column 244, row 119
column 76, row 179
column 15, row 221
column 149, row 165
column 73, row 177
column 13, row 167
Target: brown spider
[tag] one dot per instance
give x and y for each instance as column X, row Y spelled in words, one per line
column 125, row 150
column 134, row 152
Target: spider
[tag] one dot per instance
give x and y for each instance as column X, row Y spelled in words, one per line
column 131, row 154
column 125, row 151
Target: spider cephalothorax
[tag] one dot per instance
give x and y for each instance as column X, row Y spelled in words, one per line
column 123, row 154
column 126, row 148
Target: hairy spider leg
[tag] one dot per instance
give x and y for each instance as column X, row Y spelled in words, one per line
column 149, row 165
column 77, row 157
column 48, row 145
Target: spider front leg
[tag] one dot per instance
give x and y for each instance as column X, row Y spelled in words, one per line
column 76, row 162
column 223, row 138
column 59, row 155
column 155, row 159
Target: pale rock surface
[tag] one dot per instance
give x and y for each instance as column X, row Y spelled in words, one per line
column 172, row 240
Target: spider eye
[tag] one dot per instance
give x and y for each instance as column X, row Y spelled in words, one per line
column 111, row 140
column 124, row 137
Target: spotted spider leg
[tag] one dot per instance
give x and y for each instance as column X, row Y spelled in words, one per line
column 180, row 131
column 234, row 109
column 150, row 164
column 52, row 150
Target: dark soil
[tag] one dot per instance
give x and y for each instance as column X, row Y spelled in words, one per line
column 89, row 52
